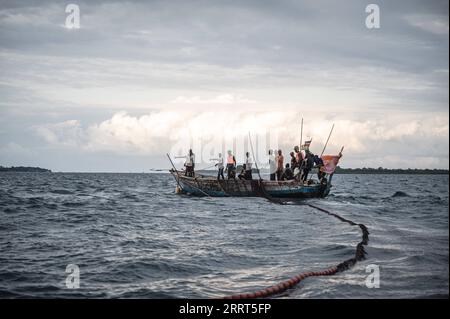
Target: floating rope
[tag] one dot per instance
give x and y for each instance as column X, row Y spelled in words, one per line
column 258, row 186
column 293, row 281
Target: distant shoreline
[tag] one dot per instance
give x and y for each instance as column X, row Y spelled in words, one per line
column 394, row 171
column 339, row 170
column 26, row 169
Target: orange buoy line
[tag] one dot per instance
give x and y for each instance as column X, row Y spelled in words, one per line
column 293, row 281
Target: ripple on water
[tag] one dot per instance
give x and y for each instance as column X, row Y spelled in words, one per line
column 134, row 238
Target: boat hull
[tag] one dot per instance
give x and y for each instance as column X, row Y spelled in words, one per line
column 210, row 186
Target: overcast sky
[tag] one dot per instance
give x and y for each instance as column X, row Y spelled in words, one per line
column 140, row 79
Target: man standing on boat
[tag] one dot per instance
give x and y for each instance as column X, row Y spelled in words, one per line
column 248, row 166
column 280, row 164
column 231, row 165
column 189, row 163
column 297, row 169
column 219, row 165
column 293, row 161
column 308, row 160
column 272, row 165
column 298, row 157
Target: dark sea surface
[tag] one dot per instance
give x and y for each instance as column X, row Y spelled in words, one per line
column 133, row 237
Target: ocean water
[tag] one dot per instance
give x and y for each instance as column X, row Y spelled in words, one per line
column 132, row 237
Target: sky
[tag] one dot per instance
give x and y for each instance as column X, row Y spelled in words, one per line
column 140, row 79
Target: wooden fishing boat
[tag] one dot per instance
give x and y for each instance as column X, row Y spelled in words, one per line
column 202, row 185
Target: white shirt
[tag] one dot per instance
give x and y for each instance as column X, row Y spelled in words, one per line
column 190, row 160
column 272, row 164
column 219, row 162
column 248, row 164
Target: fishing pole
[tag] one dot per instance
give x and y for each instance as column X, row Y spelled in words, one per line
column 253, row 155
column 176, row 179
column 326, row 143
column 300, row 149
column 197, row 188
column 301, row 134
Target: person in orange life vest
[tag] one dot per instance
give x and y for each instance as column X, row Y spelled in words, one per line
column 231, row 165
column 280, row 165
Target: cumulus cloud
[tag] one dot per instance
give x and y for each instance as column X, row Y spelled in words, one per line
column 147, row 134
column 376, row 142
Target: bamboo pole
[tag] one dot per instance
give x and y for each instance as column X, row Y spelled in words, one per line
column 301, row 135
column 326, row 143
column 253, row 155
column 175, row 169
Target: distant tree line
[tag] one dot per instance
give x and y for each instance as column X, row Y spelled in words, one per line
column 24, row 169
column 381, row 170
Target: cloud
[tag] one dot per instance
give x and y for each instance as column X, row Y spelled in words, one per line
column 16, row 149
column 109, row 83
column 67, row 133
column 33, row 16
column 220, row 99
column 147, row 134
column 183, row 70
column 429, row 23
column 377, row 142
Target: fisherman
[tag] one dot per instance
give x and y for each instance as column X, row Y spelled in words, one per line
column 293, row 160
column 280, row 164
column 219, row 165
column 231, row 165
column 189, row 163
column 297, row 169
column 287, row 174
column 308, row 164
column 243, row 174
column 318, row 163
column 298, row 157
column 272, row 165
column 248, row 166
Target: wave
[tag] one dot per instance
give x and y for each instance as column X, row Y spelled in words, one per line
column 61, row 192
column 73, row 204
column 10, row 210
column 400, row 194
